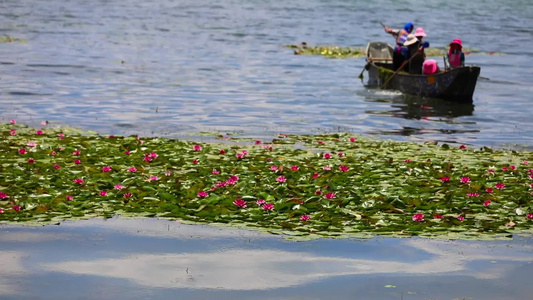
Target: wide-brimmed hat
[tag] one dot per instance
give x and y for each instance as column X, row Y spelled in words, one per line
column 411, row 39
column 420, row 32
column 458, row 42
column 430, row 66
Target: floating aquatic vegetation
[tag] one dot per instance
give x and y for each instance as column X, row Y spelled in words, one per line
column 332, row 51
column 9, row 39
column 302, row 186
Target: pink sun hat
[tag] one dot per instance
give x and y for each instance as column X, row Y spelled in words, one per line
column 458, row 42
column 430, row 66
column 420, row 32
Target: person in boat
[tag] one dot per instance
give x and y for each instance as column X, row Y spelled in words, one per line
column 401, row 53
column 430, row 67
column 420, row 35
column 456, row 57
column 416, row 55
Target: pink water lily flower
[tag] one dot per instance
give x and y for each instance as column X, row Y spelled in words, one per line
column 147, row 158
column 352, row 139
column 127, row 152
column 315, row 175
column 273, row 168
column 525, row 162
column 472, row 195
column 234, row 178
column 215, row 172
column 438, row 216
column 418, row 217
column 327, row 155
column 344, row 168
column 239, row 155
column 69, row 198
column 327, row 168
column 153, row 178
column 260, row 201
column 202, row 194
column 31, row 160
column 460, row 218
column 281, row 179
column 222, row 152
column 330, row 195
column 106, row 169
column 76, row 152
column 12, row 121
column 127, row 195
column 16, row 207
column 465, row 179
column 195, row 162
column 240, row 203
column 1, row 211
column 118, row 187
column 244, row 152
column 153, row 155
column 78, row 180
column 77, row 162
column 487, row 203
column 32, row 144
column 57, row 167
column 197, row 148
column 3, row 195
column 295, row 168
column 22, row 151
column 268, row 206
column 39, row 132
column 132, row 169
column 445, row 179
column 500, row 186
column 258, row 142
column 103, row 193
column 512, row 167
column 529, row 216
column 13, row 132
column 305, row 218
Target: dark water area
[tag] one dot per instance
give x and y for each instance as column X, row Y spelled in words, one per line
column 176, row 68
column 157, row 259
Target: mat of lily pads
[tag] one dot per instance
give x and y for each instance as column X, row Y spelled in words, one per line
column 303, row 186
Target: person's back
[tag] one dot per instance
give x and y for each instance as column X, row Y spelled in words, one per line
column 456, row 57
column 415, row 55
column 400, row 52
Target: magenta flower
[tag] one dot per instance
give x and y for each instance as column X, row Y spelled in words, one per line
column 32, row 144
column 491, row 171
column 340, row 154
column 197, row 148
column 53, row 153
column 445, row 179
column 505, row 169
column 352, row 139
column 462, row 147
column 12, row 121
column 315, row 175
column 472, row 195
column 273, row 168
column 44, row 123
column 154, row 178
column 268, row 159
column 500, row 186
column 525, row 162
column 487, row 203
column 489, row 190
column 258, row 142
column 39, row 132
column 438, row 216
column 244, row 152
column 239, row 155
column 60, row 134
column 103, row 193
column 132, row 169
column 77, row 162
column 216, row 172
column 222, row 152
column 305, row 218
column 268, row 206
column 78, row 180
column 418, row 217
column 295, row 168
column 327, row 168
column 195, row 162
column 202, row 194
column 512, row 167
column 327, row 155
column 330, row 195
column 127, row 195
column 3, row 195
column 57, row 167
column 240, row 203
column 153, row 155
column 320, row 143
column 69, row 198
column 127, row 152
column 318, row 192
column 106, row 169
column 147, row 158
column 407, row 160
column 529, row 216
column 221, row 184
column 281, row 179
column 77, row 152
column 465, row 179
column 22, row 151
column 260, row 202
column 460, row 218
column 16, row 207
column 31, row 160
column 1, row 211
column 118, row 187
column 13, row 132
column 344, row 168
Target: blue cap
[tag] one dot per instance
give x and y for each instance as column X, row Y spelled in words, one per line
column 409, row 27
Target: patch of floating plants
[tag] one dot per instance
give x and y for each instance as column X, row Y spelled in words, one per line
column 305, row 186
column 333, row 51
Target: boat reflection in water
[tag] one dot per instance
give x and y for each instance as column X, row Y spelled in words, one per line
column 422, row 116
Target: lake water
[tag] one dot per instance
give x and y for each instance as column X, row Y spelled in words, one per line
column 176, row 68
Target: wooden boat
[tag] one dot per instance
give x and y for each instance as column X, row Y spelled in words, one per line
column 456, row 84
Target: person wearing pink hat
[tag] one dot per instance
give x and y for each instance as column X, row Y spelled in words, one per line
column 420, row 35
column 456, row 57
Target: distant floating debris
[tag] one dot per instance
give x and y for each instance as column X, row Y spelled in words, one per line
column 333, row 51
column 9, row 39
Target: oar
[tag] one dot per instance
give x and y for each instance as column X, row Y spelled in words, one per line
column 400, row 68
column 364, row 69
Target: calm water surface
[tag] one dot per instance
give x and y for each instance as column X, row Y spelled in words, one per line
column 176, row 68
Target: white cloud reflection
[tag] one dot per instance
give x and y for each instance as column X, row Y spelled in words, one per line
column 267, row 269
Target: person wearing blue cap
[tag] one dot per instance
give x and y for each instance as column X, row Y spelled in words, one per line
column 400, row 51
